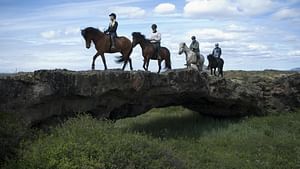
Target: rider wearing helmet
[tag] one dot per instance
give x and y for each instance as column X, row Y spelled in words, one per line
column 155, row 39
column 217, row 52
column 195, row 46
column 112, row 29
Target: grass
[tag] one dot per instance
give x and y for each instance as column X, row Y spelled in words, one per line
column 204, row 142
column 172, row 137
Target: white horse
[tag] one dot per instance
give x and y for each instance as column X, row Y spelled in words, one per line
column 191, row 58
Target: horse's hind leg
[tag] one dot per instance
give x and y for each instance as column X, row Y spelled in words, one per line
column 147, row 64
column 159, row 65
column 130, row 64
column 125, row 63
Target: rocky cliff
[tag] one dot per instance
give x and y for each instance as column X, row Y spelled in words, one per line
column 114, row 94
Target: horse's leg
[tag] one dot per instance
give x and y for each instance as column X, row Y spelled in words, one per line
column 147, row 64
column 159, row 65
column 211, row 71
column 104, row 61
column 130, row 63
column 94, row 59
column 215, row 69
column 125, row 63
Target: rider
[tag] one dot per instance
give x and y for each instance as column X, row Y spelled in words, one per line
column 112, row 30
column 155, row 40
column 217, row 52
column 195, row 47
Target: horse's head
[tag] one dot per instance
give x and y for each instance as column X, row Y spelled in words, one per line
column 87, row 37
column 137, row 38
column 181, row 48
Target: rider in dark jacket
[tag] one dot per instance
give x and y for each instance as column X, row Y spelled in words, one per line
column 112, row 30
column 217, row 52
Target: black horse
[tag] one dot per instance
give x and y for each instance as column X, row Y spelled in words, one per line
column 214, row 64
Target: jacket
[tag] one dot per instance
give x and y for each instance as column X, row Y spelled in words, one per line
column 112, row 29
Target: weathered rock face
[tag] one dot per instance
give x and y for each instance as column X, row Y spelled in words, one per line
column 114, row 94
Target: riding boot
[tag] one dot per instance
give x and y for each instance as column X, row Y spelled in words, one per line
column 113, row 42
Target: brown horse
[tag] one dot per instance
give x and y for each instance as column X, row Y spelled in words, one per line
column 149, row 51
column 103, row 45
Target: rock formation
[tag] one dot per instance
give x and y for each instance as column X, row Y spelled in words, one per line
column 45, row 94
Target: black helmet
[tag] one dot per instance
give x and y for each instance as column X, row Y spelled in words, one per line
column 114, row 15
column 154, row 26
column 193, row 37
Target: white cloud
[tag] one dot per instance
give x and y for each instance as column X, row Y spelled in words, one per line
column 256, row 46
column 213, row 35
column 129, row 12
column 50, row 34
column 286, row 13
column 227, row 8
column 294, row 53
column 165, row 8
column 72, row 31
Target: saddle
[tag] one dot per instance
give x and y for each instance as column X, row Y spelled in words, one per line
column 110, row 41
column 155, row 55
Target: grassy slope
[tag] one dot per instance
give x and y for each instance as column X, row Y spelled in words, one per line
column 203, row 142
column 174, row 137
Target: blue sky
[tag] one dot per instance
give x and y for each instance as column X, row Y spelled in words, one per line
column 254, row 35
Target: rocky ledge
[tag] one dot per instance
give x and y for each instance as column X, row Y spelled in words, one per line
column 41, row 95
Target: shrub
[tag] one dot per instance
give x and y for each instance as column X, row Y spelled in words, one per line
column 86, row 143
column 12, row 130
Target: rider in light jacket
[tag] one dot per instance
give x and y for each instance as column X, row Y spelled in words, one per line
column 155, row 40
column 195, row 47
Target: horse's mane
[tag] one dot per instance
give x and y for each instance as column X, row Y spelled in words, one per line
column 91, row 29
column 139, row 35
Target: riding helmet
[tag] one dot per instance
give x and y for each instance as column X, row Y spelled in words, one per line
column 193, row 37
column 154, row 26
column 113, row 15
column 217, row 44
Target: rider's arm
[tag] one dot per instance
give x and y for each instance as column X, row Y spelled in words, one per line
column 220, row 51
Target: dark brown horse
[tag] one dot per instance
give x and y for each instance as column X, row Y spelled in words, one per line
column 103, row 45
column 149, row 51
column 215, row 64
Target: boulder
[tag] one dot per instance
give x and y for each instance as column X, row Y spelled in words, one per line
column 45, row 94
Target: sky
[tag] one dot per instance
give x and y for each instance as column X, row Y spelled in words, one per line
column 254, row 35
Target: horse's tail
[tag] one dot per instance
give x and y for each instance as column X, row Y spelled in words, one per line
column 121, row 59
column 168, row 64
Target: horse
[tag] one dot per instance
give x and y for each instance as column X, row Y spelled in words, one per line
column 148, row 51
column 102, row 44
column 214, row 64
column 191, row 57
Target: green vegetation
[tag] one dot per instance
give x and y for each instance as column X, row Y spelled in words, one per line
column 167, row 138
column 86, row 143
column 12, row 131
